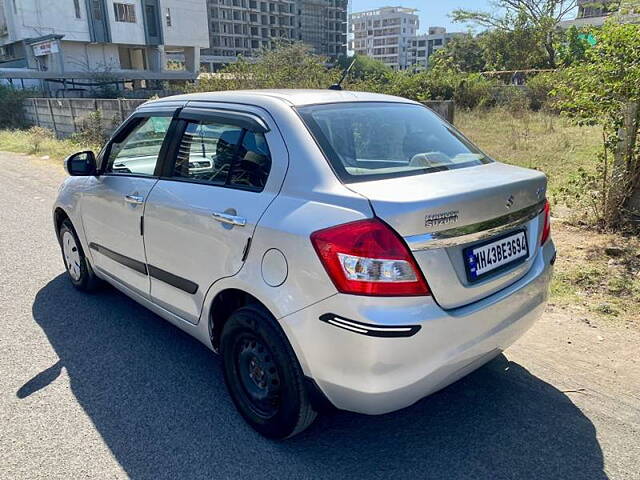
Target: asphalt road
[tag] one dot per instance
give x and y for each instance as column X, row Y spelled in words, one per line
column 95, row 386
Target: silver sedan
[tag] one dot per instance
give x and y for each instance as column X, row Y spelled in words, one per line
column 336, row 248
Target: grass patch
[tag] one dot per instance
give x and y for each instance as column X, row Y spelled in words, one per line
column 39, row 141
column 538, row 140
column 596, row 273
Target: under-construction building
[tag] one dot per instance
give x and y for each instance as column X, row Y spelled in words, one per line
column 243, row 27
column 323, row 25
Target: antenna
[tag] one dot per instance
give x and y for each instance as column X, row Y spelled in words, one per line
column 338, row 86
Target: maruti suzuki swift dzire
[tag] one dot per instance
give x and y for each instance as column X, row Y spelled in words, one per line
column 335, row 248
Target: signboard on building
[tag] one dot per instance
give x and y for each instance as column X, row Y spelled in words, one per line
column 45, row 48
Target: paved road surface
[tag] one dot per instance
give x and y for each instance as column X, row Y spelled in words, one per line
column 98, row 387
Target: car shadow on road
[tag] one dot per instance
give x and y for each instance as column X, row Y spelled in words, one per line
column 157, row 398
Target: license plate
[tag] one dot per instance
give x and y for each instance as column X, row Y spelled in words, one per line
column 500, row 253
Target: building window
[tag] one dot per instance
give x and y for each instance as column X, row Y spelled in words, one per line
column 7, row 52
column 168, row 17
column 96, row 10
column 76, row 6
column 125, row 12
column 152, row 25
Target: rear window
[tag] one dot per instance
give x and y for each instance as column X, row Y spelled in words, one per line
column 373, row 140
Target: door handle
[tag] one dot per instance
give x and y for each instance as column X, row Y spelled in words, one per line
column 229, row 219
column 134, row 199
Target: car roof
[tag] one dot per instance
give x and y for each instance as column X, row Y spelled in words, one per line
column 295, row 98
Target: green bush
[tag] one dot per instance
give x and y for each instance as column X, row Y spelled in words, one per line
column 468, row 90
column 475, row 91
column 539, row 90
column 364, row 67
column 37, row 137
column 11, row 107
column 288, row 65
column 292, row 65
column 512, row 97
column 605, row 90
column 92, row 131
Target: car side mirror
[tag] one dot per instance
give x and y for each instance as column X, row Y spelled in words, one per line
column 81, row 164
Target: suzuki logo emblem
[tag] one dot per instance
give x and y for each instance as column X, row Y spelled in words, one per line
column 510, row 201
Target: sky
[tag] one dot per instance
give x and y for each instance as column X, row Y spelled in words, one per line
column 432, row 12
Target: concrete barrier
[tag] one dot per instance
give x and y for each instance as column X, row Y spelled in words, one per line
column 66, row 116
column 444, row 108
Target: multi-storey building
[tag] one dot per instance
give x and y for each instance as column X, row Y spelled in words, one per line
column 244, row 27
column 591, row 9
column 322, row 24
column 384, row 34
column 425, row 45
column 592, row 13
column 241, row 27
column 68, row 36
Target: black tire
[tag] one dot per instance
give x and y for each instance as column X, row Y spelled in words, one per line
column 270, row 392
column 86, row 280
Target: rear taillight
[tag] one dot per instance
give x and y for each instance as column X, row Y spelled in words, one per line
column 368, row 258
column 546, row 229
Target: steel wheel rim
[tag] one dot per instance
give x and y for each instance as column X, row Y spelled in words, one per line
column 71, row 255
column 259, row 379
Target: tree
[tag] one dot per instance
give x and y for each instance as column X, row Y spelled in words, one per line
column 12, row 106
column 517, row 49
column 463, row 53
column 605, row 89
column 364, row 68
column 287, row 65
column 541, row 15
column 573, row 47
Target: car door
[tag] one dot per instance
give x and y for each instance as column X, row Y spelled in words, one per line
column 223, row 172
column 113, row 202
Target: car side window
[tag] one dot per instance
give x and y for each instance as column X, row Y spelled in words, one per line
column 138, row 152
column 221, row 154
column 206, row 152
column 254, row 163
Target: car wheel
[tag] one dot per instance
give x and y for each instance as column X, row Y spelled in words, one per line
column 78, row 268
column 263, row 375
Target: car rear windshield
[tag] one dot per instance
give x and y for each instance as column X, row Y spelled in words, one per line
column 374, row 140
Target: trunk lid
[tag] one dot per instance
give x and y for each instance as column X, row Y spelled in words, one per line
column 441, row 214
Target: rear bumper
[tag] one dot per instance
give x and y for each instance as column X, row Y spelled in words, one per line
column 375, row 375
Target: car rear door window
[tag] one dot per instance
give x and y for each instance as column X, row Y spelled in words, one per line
column 222, row 154
column 138, row 152
column 206, row 152
column 251, row 169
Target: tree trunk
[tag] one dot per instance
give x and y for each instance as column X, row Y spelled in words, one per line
column 632, row 204
column 624, row 190
column 551, row 51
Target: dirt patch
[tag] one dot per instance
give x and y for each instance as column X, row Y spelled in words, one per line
column 597, row 275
